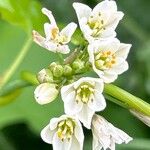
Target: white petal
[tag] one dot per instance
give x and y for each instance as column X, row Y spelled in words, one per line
column 68, row 31
column 99, row 103
column 47, row 134
column 61, row 145
column 65, row 90
column 48, row 13
column 71, row 106
column 64, row 49
column 109, row 77
column 96, row 144
column 120, row 68
column 106, row 134
column 123, row 50
column 79, row 133
column 75, row 145
column 108, row 33
column 114, row 20
column 37, row 38
column 84, row 79
column 85, row 116
column 82, row 10
column 55, row 121
column 47, row 30
column 105, row 6
column 45, row 93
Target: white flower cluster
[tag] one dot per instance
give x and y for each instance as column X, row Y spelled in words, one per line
column 105, row 55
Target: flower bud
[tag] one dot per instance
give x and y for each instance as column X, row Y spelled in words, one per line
column 45, row 93
column 67, row 70
column 45, row 75
column 52, row 65
column 78, row 64
column 58, row 71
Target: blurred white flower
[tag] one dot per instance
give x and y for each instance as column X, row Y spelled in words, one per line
column 99, row 23
column 45, row 93
column 105, row 135
column 55, row 40
column 65, row 133
column 108, row 58
column 83, row 98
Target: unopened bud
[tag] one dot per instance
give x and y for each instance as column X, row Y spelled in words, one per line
column 45, row 75
column 78, row 64
column 67, row 70
column 45, row 93
column 58, row 71
column 52, row 65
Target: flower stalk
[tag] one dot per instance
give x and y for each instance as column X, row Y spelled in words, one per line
column 128, row 100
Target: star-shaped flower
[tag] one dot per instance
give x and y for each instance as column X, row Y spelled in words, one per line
column 65, row 133
column 83, row 98
column 108, row 58
column 99, row 23
column 55, row 40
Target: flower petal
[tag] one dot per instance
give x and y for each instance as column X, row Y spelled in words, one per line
column 72, row 107
column 61, row 145
column 82, row 10
column 114, row 19
column 123, row 50
column 64, row 49
column 98, row 103
column 105, row 6
column 37, row 38
column 47, row 134
column 120, row 68
column 48, row 13
column 85, row 116
column 68, row 31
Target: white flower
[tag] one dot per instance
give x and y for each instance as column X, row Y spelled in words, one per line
column 83, row 98
column 45, row 93
column 55, row 40
column 99, row 23
column 65, row 133
column 108, row 58
column 105, row 135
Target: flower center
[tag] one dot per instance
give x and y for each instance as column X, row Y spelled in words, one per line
column 84, row 93
column 105, row 60
column 65, row 129
column 57, row 37
column 96, row 23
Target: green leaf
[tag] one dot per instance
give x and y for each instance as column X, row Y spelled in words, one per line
column 24, row 13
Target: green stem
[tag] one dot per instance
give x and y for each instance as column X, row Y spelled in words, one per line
column 128, row 100
column 13, row 67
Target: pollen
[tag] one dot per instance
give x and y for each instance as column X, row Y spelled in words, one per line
column 84, row 93
column 105, row 60
column 65, row 129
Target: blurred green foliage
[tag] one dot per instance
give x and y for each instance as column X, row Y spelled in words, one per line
column 22, row 120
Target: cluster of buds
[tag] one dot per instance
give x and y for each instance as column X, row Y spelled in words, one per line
column 102, row 53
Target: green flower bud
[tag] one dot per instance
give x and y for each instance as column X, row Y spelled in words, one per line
column 58, row 71
column 45, row 75
column 67, row 70
column 78, row 64
column 52, row 66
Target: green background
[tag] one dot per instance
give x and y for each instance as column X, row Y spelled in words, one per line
column 22, row 120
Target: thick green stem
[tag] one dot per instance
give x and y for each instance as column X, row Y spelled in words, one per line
column 128, row 100
column 17, row 61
